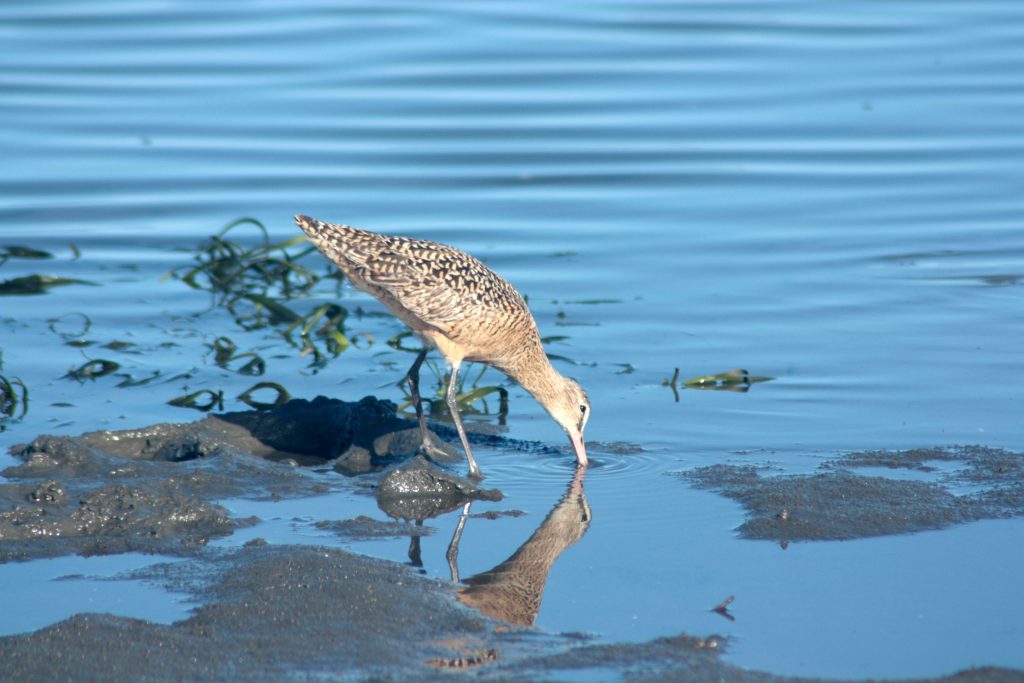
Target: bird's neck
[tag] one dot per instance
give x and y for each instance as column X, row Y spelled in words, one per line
column 532, row 370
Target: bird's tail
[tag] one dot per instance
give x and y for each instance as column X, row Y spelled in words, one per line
column 346, row 246
column 315, row 229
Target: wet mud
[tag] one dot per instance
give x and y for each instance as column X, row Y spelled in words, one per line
column 267, row 613
column 295, row 612
column 155, row 489
column 363, row 527
column 271, row 613
column 967, row 484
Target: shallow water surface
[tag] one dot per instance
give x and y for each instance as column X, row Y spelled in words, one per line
column 825, row 194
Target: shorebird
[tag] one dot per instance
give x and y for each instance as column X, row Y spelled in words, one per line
column 456, row 304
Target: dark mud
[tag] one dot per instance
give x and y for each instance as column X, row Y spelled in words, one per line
column 72, row 517
column 302, row 613
column 363, row 527
column 838, row 503
column 268, row 613
column 154, row 489
column 271, row 613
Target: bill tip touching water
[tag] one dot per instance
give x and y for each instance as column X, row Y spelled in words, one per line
column 456, row 304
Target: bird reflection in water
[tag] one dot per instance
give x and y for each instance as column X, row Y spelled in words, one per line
column 512, row 591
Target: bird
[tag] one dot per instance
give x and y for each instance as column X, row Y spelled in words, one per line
column 465, row 310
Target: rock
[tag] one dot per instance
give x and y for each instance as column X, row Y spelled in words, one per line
column 419, row 490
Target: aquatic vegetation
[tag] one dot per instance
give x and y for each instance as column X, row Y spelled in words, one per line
column 206, row 400
column 470, row 401
column 231, row 270
column 12, row 252
column 119, row 345
column 256, row 284
column 92, row 370
column 203, row 400
column 225, row 351
column 128, row 380
column 28, row 285
column 62, row 327
column 396, row 342
column 331, row 321
column 37, row 284
column 282, row 396
column 13, row 393
column 556, row 356
column 733, row 380
column 591, row 302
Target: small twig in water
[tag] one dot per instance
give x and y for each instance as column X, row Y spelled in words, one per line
column 723, row 608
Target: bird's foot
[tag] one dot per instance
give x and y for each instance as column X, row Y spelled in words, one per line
column 433, row 452
column 434, row 449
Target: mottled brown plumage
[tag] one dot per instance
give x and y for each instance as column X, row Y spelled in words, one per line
column 460, row 306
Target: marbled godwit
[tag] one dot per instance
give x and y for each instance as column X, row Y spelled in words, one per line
column 468, row 312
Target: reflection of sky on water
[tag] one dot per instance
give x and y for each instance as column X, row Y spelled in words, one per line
column 826, row 194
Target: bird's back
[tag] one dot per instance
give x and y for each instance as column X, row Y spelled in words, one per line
column 432, row 287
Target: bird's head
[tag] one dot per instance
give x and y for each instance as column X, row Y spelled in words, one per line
column 570, row 408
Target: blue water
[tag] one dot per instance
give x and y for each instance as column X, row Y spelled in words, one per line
column 824, row 193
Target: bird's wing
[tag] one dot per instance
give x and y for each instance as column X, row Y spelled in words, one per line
column 437, row 284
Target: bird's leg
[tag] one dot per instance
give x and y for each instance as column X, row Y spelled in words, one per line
column 413, row 378
column 453, row 408
column 415, row 554
column 453, row 548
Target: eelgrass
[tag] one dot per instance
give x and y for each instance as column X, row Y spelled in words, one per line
column 13, row 393
column 256, row 285
column 732, row 380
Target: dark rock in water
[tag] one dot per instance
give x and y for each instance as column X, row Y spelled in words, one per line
column 420, row 490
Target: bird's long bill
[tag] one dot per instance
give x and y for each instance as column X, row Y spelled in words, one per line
column 579, row 448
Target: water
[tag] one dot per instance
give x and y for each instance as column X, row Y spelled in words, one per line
column 77, row 584
column 827, row 194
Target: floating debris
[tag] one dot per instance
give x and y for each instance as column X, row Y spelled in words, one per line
column 723, row 608
column 11, row 252
column 92, row 370
column 733, row 380
column 37, row 284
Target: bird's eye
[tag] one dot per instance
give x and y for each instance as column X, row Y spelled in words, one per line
column 583, row 408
